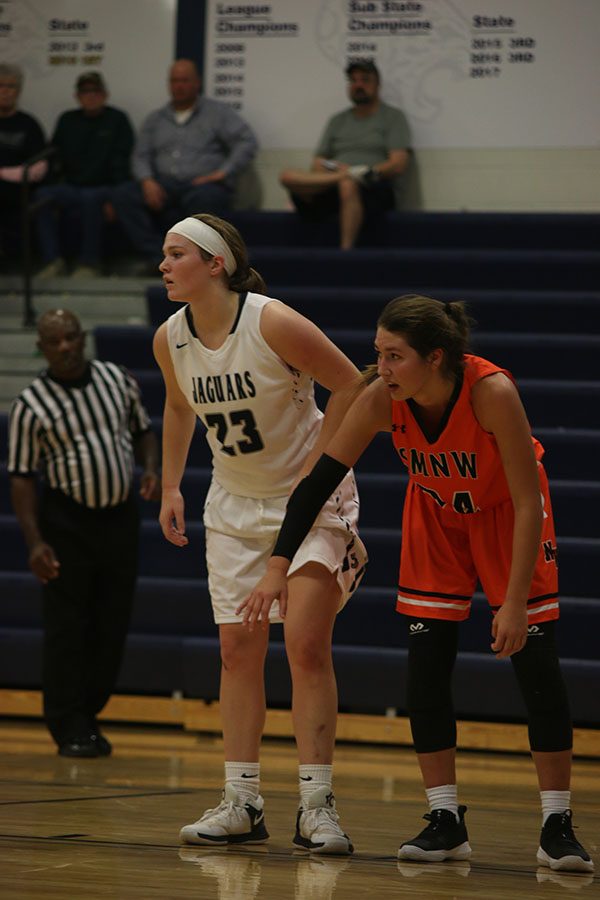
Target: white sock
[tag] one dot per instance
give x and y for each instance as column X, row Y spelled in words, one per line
column 554, row 802
column 445, row 796
column 245, row 778
column 312, row 777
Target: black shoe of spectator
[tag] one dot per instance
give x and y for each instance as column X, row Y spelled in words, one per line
column 79, row 746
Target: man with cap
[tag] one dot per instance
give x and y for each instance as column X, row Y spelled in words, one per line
column 362, row 153
column 93, row 148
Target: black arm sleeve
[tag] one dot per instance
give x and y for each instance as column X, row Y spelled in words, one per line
column 305, row 504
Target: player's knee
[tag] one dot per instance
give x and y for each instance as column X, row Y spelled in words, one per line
column 307, row 655
column 239, row 652
column 430, row 709
column 431, row 656
column 432, row 722
column 551, row 732
column 543, row 689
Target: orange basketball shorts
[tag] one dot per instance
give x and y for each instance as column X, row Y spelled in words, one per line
column 444, row 554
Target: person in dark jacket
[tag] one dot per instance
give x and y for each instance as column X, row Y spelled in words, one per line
column 93, row 146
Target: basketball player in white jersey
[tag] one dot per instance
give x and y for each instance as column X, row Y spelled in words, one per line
column 244, row 364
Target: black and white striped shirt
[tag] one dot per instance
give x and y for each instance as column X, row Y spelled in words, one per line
column 79, row 435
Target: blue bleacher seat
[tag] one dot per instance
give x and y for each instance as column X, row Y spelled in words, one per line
column 549, row 311
column 492, row 230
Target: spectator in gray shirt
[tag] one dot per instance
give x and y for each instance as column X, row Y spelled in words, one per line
column 186, row 160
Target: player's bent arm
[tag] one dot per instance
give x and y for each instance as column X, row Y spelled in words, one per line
column 369, row 414
column 179, row 422
column 499, row 410
column 179, row 419
column 303, row 346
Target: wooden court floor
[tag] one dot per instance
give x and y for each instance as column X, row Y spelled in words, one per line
column 72, row 829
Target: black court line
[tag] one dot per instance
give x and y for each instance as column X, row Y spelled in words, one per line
column 64, row 837
column 74, row 784
column 282, row 855
column 102, row 797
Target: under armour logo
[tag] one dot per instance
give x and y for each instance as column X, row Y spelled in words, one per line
column 179, row 346
column 417, row 628
column 329, row 800
column 400, row 428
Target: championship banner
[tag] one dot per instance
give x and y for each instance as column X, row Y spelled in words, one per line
column 467, row 73
column 131, row 42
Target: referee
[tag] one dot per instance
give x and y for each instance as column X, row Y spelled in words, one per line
column 80, row 424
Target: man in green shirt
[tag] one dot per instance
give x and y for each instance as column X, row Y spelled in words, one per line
column 361, row 155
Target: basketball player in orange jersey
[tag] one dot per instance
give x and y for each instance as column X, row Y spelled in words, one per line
column 477, row 507
column 244, row 364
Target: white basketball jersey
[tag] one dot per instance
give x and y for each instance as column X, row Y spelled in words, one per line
column 260, row 414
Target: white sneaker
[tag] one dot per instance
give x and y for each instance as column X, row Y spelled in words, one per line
column 229, row 822
column 53, row 269
column 317, row 827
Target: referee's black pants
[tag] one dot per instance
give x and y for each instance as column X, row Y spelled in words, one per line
column 86, row 610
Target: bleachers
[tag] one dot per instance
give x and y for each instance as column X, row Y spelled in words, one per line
column 531, row 283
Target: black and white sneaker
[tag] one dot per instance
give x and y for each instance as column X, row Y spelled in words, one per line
column 443, row 838
column 559, row 848
column 231, row 822
column 318, row 828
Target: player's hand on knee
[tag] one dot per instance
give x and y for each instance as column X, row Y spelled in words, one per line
column 257, row 605
column 509, row 630
column 171, row 517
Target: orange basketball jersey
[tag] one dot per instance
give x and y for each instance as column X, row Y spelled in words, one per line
column 461, row 469
column 458, row 514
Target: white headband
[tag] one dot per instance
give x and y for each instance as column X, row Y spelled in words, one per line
column 206, row 237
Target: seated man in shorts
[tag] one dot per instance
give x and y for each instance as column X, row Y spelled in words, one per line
column 361, row 155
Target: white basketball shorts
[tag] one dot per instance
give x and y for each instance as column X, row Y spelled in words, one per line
column 241, row 534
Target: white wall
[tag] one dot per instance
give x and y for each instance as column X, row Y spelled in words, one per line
column 431, row 76
column 544, row 180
